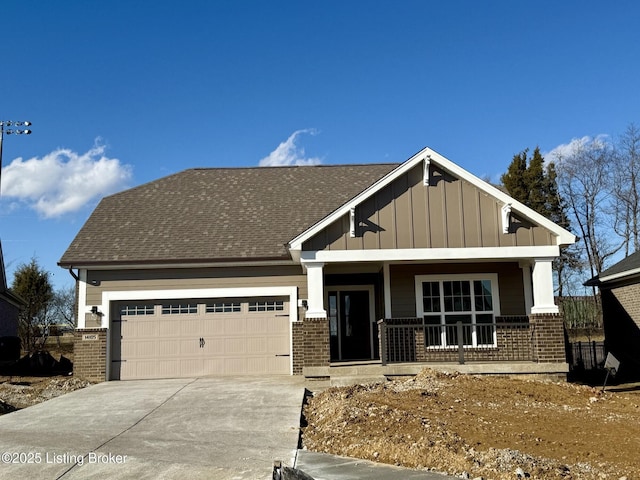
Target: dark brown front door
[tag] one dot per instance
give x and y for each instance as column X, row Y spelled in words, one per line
column 349, row 325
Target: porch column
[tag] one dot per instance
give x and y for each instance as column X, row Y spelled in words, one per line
column 315, row 291
column 542, row 277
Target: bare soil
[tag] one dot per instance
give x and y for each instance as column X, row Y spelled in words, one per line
column 481, row 427
column 22, row 392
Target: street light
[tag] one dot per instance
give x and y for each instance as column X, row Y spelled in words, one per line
column 11, row 131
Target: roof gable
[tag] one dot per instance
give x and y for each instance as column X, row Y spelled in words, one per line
column 430, row 157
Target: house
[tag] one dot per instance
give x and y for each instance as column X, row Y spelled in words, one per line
column 289, row 269
column 10, row 305
column 620, row 293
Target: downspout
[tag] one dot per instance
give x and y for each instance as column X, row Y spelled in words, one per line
column 75, row 277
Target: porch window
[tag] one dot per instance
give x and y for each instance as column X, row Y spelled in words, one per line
column 443, row 301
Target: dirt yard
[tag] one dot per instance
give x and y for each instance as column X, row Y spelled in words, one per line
column 481, row 427
column 21, row 392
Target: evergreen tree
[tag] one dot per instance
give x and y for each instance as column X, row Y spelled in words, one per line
column 528, row 181
column 32, row 284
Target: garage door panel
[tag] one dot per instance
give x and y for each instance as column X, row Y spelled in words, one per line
column 234, row 343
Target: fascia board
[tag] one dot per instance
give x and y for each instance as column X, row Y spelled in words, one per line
column 431, row 254
column 617, row 276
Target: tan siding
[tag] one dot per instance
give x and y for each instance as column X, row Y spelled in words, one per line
column 489, row 221
column 448, row 213
column 403, row 294
column 385, row 213
column 470, row 211
column 455, row 219
column 172, row 279
column 403, row 215
column 437, row 220
column 419, row 209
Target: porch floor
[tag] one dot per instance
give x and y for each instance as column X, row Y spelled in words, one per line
column 347, row 373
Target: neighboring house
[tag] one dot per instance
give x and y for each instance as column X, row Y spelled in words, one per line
column 620, row 293
column 288, row 269
column 10, row 305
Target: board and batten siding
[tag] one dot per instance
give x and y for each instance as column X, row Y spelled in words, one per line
column 196, row 278
column 403, row 291
column 448, row 213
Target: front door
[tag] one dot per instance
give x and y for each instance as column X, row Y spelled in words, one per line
column 350, row 324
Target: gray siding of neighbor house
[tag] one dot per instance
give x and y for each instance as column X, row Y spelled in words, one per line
column 621, row 310
column 193, row 278
column 448, row 213
column 8, row 319
column 403, row 292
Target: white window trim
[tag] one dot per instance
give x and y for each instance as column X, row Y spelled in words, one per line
column 493, row 277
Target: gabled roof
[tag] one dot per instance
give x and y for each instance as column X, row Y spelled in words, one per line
column 563, row 237
column 626, row 267
column 216, row 214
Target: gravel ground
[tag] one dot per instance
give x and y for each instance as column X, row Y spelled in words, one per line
column 20, row 392
column 481, row 427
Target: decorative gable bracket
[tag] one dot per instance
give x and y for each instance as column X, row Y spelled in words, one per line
column 352, row 222
column 427, row 164
column 506, row 217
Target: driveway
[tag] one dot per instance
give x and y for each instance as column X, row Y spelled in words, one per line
column 213, row 428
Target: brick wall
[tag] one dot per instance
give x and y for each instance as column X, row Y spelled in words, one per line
column 621, row 313
column 548, row 338
column 90, row 354
column 315, row 342
column 297, row 332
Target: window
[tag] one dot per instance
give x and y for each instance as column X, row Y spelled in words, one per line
column 223, row 307
column 443, row 301
column 137, row 310
column 179, row 308
column 266, row 306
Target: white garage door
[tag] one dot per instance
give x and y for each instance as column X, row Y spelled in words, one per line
column 190, row 338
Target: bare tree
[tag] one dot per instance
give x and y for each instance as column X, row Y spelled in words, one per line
column 584, row 179
column 625, row 189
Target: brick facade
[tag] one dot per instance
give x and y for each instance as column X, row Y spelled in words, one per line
column 90, row 354
column 621, row 314
column 547, row 330
column 310, row 344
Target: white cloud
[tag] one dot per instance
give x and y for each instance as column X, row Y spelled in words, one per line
column 63, row 181
column 288, row 153
column 567, row 150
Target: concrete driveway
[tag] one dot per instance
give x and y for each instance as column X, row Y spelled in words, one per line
column 213, row 428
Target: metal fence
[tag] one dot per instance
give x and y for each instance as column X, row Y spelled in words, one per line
column 414, row 340
column 587, row 355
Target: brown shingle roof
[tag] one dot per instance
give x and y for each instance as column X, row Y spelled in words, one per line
column 216, row 214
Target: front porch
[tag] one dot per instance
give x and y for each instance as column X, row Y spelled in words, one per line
column 511, row 345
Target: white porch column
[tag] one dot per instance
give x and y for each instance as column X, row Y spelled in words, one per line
column 542, row 277
column 315, row 291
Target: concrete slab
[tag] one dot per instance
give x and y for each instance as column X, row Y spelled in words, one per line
column 322, row 466
column 222, row 428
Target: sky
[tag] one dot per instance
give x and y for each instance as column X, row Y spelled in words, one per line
column 121, row 93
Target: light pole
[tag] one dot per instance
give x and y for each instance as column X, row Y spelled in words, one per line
column 9, row 131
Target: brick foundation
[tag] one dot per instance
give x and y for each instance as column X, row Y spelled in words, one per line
column 90, row 354
column 548, row 338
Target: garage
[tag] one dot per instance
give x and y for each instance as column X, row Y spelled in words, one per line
column 191, row 338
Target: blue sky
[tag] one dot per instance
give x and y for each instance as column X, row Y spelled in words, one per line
column 121, row 93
